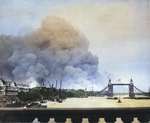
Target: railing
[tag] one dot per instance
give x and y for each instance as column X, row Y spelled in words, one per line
column 127, row 115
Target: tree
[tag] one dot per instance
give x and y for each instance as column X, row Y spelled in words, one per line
column 70, row 94
column 29, row 96
column 79, row 93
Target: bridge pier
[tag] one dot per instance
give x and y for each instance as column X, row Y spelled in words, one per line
column 110, row 89
column 131, row 90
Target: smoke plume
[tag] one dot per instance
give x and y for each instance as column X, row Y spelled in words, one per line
column 56, row 51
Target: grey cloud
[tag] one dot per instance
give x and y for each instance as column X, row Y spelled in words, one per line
column 55, row 51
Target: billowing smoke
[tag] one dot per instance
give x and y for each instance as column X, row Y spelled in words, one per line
column 56, row 51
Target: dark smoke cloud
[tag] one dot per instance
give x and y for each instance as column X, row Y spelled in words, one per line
column 55, row 51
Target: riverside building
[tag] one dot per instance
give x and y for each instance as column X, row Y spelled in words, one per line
column 11, row 88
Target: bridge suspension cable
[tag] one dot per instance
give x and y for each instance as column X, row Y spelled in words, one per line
column 103, row 89
column 139, row 90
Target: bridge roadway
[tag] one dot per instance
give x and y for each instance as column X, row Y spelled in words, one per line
column 76, row 114
column 120, row 83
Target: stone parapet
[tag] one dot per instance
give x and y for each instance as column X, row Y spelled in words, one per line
column 76, row 114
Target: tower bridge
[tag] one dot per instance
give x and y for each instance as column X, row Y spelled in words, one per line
column 130, row 85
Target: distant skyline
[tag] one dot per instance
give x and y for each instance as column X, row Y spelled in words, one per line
column 118, row 32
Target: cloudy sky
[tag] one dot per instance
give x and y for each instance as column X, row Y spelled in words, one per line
column 118, row 32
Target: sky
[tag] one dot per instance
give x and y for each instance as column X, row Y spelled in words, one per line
column 117, row 30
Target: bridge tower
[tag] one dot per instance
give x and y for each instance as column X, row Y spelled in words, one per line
column 110, row 89
column 131, row 89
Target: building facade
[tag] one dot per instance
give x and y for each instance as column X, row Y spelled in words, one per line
column 11, row 88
